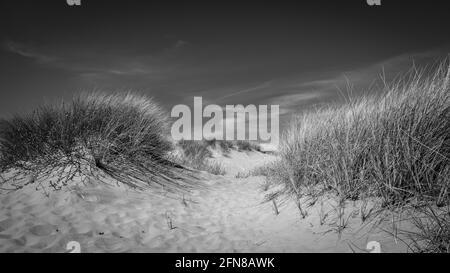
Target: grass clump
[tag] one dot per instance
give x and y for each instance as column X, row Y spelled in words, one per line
column 197, row 154
column 226, row 145
column 432, row 233
column 120, row 135
column 244, row 145
column 394, row 146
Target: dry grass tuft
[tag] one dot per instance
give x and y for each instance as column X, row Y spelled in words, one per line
column 121, row 135
column 394, row 147
column 197, row 155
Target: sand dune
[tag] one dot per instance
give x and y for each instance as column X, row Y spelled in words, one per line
column 227, row 215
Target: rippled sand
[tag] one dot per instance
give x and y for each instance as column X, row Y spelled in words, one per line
column 227, row 215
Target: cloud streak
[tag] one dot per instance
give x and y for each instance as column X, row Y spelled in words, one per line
column 92, row 62
column 28, row 52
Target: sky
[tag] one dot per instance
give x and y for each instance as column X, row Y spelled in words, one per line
column 295, row 54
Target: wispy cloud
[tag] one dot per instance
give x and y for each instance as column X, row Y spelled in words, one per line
column 95, row 63
column 246, row 90
column 28, row 52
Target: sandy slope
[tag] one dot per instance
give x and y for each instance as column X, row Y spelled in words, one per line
column 228, row 215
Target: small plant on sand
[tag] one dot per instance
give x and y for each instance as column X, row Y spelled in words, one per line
column 197, row 155
column 244, row 174
column 195, row 149
column 244, row 145
column 214, row 168
column 224, row 145
column 275, row 206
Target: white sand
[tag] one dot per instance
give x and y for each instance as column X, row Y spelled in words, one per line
column 229, row 215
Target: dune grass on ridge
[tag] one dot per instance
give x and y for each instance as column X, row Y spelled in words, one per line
column 120, row 135
column 394, row 147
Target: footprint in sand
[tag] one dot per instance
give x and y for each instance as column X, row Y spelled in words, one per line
column 6, row 224
column 111, row 244
column 22, row 241
column 42, row 230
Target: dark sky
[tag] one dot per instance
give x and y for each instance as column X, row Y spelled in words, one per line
column 293, row 53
